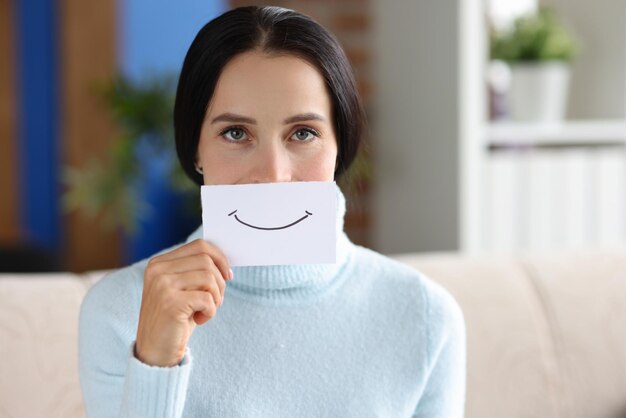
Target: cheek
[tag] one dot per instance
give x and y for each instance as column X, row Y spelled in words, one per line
column 220, row 173
column 217, row 166
column 319, row 166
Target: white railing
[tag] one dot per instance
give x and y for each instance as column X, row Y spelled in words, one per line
column 555, row 187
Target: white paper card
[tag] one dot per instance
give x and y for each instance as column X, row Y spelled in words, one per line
column 271, row 223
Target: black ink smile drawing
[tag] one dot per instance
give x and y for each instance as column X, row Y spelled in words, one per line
column 272, row 228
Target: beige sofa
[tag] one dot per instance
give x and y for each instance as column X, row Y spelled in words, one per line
column 546, row 335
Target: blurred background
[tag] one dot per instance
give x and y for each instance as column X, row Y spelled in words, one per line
column 494, row 126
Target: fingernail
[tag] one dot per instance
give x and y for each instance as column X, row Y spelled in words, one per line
column 230, row 277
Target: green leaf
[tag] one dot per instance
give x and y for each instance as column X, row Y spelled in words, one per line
column 141, row 110
column 534, row 37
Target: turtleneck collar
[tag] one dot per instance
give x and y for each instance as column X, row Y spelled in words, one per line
column 291, row 283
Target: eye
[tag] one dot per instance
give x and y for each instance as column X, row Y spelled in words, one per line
column 304, row 135
column 234, row 134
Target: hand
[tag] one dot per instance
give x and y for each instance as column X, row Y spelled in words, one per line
column 182, row 288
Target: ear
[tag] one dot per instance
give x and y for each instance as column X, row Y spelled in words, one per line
column 197, row 166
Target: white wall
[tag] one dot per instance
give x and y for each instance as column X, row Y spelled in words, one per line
column 419, row 124
column 598, row 85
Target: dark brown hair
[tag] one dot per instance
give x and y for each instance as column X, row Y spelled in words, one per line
column 273, row 30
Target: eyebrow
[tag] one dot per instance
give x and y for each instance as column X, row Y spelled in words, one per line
column 234, row 118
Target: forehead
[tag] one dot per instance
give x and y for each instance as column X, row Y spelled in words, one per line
column 279, row 85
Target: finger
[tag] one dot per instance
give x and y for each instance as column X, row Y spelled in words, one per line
column 200, row 246
column 221, row 283
column 200, row 280
column 200, row 261
column 219, row 259
column 202, row 305
column 197, row 246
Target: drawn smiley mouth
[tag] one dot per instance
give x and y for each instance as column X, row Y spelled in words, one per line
column 271, row 228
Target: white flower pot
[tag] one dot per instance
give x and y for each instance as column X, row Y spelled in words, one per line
column 538, row 91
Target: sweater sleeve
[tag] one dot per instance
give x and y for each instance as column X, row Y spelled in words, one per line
column 444, row 392
column 114, row 383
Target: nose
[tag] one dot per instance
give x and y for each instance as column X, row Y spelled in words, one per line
column 272, row 164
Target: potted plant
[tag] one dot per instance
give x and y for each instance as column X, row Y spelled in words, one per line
column 539, row 50
column 138, row 187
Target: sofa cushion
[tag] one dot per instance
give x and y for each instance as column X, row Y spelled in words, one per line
column 583, row 294
column 39, row 345
column 511, row 370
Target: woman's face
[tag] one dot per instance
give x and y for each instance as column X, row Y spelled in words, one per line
column 269, row 121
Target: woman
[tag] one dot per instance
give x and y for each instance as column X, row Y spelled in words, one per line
column 267, row 95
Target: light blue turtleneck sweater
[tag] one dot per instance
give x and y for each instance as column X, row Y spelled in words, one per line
column 364, row 337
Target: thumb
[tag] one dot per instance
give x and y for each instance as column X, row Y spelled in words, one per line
column 199, row 318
